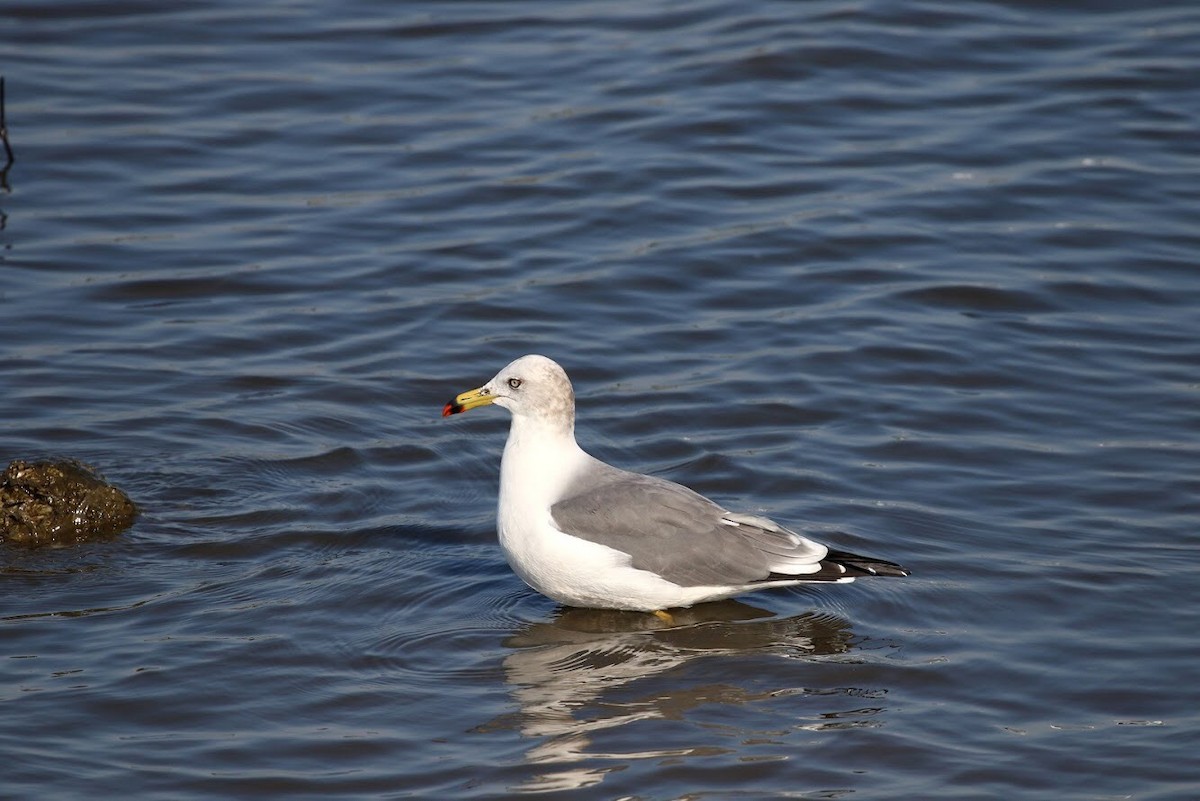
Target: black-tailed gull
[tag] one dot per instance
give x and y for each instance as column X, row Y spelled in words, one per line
column 588, row 534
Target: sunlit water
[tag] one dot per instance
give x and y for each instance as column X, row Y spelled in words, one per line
column 922, row 273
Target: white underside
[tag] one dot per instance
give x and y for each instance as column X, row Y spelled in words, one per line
column 577, row 572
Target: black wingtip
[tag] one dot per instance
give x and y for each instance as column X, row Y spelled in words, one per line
column 866, row 565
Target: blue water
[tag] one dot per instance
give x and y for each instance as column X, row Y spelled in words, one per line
column 925, row 274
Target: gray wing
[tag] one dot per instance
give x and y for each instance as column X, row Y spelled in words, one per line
column 682, row 536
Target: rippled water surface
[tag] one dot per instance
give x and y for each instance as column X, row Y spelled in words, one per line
column 925, row 273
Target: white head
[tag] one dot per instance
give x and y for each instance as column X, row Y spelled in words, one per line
column 532, row 387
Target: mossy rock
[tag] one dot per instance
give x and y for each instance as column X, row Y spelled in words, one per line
column 60, row 503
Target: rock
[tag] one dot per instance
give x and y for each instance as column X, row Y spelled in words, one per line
column 59, row 503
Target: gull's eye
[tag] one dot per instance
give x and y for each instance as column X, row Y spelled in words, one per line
column 515, row 383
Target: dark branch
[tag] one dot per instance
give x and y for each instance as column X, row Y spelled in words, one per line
column 10, row 159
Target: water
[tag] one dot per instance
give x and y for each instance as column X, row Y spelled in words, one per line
column 922, row 272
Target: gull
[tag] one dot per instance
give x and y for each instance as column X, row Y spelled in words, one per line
column 588, row 534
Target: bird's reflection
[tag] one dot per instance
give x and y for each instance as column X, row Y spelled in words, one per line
column 584, row 671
